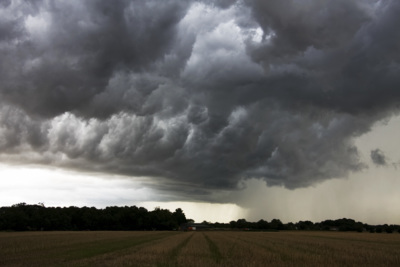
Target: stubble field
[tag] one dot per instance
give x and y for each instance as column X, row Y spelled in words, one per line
column 208, row 248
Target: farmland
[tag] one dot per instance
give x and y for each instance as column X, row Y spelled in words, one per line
column 208, row 248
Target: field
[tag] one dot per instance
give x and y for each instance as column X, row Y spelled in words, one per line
column 206, row 248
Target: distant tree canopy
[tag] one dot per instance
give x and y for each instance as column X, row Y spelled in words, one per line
column 327, row 225
column 24, row 217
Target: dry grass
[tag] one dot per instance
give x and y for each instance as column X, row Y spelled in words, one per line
column 64, row 248
column 199, row 249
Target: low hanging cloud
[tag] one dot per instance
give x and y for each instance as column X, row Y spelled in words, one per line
column 378, row 157
column 197, row 94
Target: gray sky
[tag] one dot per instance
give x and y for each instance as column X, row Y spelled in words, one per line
column 199, row 101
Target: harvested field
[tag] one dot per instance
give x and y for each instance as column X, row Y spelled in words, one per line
column 206, row 248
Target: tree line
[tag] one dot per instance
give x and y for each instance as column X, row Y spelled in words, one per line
column 37, row 217
column 24, row 217
column 343, row 224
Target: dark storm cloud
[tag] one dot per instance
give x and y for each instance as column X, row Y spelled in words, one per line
column 197, row 94
column 58, row 56
column 378, row 157
column 334, row 54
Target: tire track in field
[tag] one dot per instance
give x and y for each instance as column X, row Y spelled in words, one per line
column 271, row 247
column 173, row 255
column 95, row 248
column 215, row 253
column 231, row 249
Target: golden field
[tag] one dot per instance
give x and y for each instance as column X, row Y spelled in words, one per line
column 208, row 248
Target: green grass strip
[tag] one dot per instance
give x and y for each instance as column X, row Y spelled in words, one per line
column 215, row 253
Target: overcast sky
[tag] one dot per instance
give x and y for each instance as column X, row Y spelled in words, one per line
column 266, row 109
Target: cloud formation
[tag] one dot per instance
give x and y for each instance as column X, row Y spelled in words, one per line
column 378, row 157
column 197, row 94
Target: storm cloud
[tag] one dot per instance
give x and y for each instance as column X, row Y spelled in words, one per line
column 378, row 157
column 198, row 95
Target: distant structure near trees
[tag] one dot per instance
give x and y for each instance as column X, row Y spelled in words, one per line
column 191, row 226
column 37, row 217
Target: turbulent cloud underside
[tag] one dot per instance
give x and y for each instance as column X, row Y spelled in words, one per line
column 378, row 157
column 197, row 94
